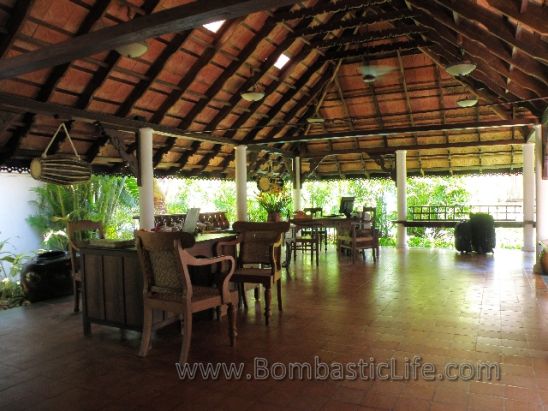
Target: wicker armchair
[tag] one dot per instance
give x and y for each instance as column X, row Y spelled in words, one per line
column 259, row 258
column 358, row 236
column 77, row 233
column 167, row 286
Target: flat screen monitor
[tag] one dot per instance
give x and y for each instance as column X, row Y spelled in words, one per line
column 347, row 206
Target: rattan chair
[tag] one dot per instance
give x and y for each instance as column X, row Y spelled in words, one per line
column 259, row 258
column 78, row 232
column 358, row 236
column 165, row 264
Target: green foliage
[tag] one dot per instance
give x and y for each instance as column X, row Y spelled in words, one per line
column 225, row 200
column 100, row 199
column 276, row 202
column 11, row 293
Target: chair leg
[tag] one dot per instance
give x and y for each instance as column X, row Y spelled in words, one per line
column 186, row 328
column 218, row 312
column 76, row 287
column 232, row 331
column 353, row 252
column 279, row 294
column 256, row 293
column 317, row 253
column 267, row 298
column 242, row 294
column 147, row 332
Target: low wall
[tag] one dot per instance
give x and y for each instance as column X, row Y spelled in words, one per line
column 15, row 195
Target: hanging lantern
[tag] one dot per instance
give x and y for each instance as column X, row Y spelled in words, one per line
column 63, row 169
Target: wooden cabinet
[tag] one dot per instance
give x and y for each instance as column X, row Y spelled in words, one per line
column 112, row 283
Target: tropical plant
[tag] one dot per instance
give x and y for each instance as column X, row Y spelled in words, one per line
column 11, row 293
column 96, row 200
column 274, row 202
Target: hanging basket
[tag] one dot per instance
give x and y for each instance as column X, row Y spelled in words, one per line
column 64, row 169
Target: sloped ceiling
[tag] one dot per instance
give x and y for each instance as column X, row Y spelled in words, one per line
column 190, row 82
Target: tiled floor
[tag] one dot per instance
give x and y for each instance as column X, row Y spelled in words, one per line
column 436, row 304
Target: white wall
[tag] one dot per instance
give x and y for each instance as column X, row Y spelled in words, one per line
column 15, row 194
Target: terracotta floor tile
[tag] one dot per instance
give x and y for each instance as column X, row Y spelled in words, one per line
column 436, row 304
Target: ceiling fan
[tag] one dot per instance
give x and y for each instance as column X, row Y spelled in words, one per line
column 371, row 73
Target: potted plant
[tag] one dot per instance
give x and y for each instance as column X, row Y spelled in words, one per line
column 274, row 203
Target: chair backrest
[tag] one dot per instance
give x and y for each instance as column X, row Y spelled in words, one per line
column 160, row 263
column 314, row 212
column 257, row 241
column 372, row 212
column 79, row 231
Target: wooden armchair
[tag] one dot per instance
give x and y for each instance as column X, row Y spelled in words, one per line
column 259, row 258
column 167, row 286
column 357, row 236
column 77, row 233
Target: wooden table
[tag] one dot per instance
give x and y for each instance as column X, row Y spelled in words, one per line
column 112, row 283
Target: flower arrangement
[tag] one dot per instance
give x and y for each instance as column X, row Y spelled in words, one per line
column 274, row 202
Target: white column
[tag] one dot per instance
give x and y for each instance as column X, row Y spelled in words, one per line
column 401, row 185
column 241, row 182
column 297, row 184
column 541, row 189
column 528, row 196
column 146, row 170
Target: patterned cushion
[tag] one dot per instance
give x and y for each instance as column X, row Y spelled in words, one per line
column 166, row 270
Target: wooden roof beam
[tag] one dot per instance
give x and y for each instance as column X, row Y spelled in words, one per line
column 534, row 16
column 391, row 16
column 25, row 104
column 172, row 20
column 398, row 130
column 376, row 151
column 403, row 30
column 14, row 23
column 325, row 7
column 529, row 43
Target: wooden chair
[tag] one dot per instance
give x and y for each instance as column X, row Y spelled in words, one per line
column 317, row 212
column 304, row 236
column 167, row 286
column 78, row 232
column 259, row 258
column 358, row 236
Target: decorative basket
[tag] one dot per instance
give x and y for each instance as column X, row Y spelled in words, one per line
column 64, row 169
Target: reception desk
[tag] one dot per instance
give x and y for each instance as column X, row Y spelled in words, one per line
column 112, row 283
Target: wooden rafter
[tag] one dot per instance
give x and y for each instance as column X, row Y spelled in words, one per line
column 534, row 16
column 530, row 44
column 11, row 28
column 398, row 130
column 173, row 20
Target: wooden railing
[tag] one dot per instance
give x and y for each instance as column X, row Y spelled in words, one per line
column 500, row 212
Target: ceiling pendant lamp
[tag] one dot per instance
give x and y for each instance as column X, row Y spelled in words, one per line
column 467, row 102
column 253, row 94
column 133, row 50
column 462, row 67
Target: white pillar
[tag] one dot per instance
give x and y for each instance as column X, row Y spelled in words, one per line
column 146, row 170
column 241, row 182
column 297, row 184
column 401, row 183
column 541, row 189
column 528, row 196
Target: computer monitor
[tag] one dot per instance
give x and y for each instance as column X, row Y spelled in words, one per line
column 347, row 206
column 191, row 220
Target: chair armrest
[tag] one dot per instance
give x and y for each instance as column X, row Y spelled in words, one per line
column 220, row 244
column 222, row 284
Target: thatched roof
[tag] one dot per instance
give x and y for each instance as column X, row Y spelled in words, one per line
column 188, row 85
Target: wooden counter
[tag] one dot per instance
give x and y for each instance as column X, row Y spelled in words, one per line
column 112, row 283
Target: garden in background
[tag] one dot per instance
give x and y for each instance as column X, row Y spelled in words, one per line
column 114, row 202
